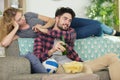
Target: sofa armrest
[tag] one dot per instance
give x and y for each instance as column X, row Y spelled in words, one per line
column 10, row 66
column 13, row 49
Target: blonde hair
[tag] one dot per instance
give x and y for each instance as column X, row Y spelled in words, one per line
column 6, row 21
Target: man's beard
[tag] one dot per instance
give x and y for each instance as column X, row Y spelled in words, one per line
column 61, row 28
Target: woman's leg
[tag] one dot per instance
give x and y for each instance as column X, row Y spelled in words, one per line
column 109, row 61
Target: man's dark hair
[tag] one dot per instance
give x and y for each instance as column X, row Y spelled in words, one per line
column 62, row 10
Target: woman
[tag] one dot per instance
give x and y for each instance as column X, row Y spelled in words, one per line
column 14, row 25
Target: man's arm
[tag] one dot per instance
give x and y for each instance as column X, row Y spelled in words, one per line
column 43, row 52
column 39, row 50
column 70, row 37
column 49, row 21
column 72, row 54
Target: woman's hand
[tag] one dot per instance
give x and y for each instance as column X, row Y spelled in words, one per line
column 15, row 25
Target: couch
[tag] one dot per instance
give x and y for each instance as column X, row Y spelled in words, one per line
column 15, row 67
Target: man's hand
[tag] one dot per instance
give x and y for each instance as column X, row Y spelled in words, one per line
column 59, row 46
column 37, row 28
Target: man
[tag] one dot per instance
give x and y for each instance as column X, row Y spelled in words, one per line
column 60, row 28
column 44, row 47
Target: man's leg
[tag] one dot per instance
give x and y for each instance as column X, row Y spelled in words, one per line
column 86, row 27
column 109, row 60
column 108, row 30
column 36, row 65
column 114, row 71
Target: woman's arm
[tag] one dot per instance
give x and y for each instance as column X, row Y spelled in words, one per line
column 10, row 37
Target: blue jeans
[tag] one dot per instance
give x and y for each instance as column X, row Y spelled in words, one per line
column 87, row 27
column 106, row 29
column 36, row 65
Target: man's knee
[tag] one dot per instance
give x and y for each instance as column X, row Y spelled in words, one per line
column 112, row 57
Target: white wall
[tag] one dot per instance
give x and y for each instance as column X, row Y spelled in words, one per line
column 1, row 5
column 48, row 7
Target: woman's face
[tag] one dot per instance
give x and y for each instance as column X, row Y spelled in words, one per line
column 20, row 19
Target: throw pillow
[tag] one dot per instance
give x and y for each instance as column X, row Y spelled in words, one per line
column 25, row 45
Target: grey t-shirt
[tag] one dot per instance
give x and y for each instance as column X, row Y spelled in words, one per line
column 32, row 20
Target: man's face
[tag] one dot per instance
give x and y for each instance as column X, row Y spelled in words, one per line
column 64, row 21
column 20, row 19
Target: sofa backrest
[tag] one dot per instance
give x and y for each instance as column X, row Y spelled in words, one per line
column 88, row 48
